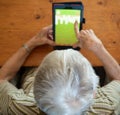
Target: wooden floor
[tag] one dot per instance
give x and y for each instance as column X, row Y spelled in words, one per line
column 22, row 19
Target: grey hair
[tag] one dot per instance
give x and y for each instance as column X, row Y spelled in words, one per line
column 65, row 83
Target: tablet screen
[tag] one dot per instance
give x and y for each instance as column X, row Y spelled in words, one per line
column 64, row 25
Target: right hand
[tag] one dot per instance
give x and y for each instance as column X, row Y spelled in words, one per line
column 86, row 39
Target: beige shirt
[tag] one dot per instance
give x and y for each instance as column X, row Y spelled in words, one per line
column 107, row 100
column 15, row 101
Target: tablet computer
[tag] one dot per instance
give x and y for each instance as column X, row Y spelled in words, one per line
column 64, row 16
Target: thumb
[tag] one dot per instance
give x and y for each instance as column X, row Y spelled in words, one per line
column 50, row 42
column 77, row 44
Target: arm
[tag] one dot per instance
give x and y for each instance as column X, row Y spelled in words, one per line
column 12, row 66
column 111, row 66
column 88, row 40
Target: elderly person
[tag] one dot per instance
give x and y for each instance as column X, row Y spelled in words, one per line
column 65, row 83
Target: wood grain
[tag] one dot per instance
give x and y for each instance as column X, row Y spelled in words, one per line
column 22, row 19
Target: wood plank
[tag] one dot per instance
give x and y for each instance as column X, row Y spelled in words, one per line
column 21, row 20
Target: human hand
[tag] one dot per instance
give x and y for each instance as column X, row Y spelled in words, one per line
column 86, row 39
column 45, row 36
column 42, row 38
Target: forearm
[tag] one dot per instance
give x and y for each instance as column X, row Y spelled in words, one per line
column 111, row 66
column 12, row 66
column 88, row 40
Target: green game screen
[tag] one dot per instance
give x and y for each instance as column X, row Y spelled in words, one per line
column 64, row 26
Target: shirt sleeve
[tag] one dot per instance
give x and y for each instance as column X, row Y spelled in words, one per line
column 15, row 101
column 112, row 91
column 107, row 100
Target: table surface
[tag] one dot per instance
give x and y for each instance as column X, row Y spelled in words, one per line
column 22, row 19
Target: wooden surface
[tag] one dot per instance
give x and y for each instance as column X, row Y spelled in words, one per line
column 22, row 19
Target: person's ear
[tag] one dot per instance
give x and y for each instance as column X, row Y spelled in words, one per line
column 94, row 94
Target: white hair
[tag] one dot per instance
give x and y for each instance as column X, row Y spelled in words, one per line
column 65, row 83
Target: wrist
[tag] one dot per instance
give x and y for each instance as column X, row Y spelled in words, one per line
column 31, row 44
column 27, row 49
column 97, row 48
column 99, row 52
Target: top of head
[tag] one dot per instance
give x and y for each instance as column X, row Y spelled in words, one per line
column 64, row 83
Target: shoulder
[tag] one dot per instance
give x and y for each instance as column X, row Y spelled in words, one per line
column 107, row 99
column 14, row 100
column 4, row 85
column 112, row 89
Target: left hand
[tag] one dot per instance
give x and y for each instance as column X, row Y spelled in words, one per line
column 42, row 38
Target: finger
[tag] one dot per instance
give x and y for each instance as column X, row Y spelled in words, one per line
column 87, row 31
column 50, row 42
column 50, row 32
column 50, row 37
column 83, row 32
column 77, row 44
column 48, row 27
column 91, row 31
column 76, row 28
